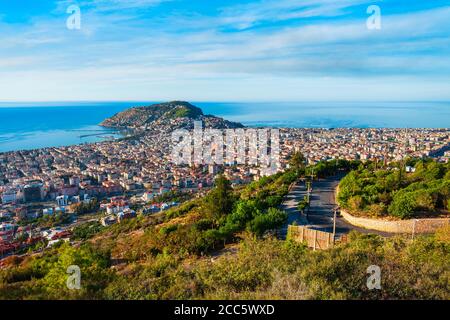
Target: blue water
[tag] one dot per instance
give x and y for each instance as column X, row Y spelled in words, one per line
column 37, row 125
column 335, row 115
column 25, row 126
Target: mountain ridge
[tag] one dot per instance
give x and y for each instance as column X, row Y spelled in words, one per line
column 173, row 114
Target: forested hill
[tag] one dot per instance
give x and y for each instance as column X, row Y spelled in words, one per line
column 178, row 113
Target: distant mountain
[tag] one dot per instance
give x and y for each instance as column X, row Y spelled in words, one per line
column 169, row 115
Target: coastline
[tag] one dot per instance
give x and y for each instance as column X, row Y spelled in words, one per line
column 27, row 127
column 36, row 140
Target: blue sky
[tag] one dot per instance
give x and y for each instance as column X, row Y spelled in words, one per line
column 225, row 50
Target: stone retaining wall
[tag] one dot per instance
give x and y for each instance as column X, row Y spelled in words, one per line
column 401, row 226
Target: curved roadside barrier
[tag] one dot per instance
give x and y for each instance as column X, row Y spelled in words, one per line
column 414, row 226
column 426, row 225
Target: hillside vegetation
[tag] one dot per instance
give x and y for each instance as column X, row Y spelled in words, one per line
column 396, row 193
column 164, row 114
column 179, row 254
column 140, row 116
column 262, row 269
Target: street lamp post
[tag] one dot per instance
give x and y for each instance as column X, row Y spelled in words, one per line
column 334, row 223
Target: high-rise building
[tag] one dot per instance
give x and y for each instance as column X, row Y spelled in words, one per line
column 33, row 192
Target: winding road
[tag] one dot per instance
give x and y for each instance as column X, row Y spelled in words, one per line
column 320, row 216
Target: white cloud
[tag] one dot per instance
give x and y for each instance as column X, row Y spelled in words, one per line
column 248, row 15
column 117, row 57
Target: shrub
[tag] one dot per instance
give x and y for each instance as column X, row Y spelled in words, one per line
column 272, row 219
column 403, row 205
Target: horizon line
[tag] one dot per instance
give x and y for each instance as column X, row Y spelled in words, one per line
column 221, row 101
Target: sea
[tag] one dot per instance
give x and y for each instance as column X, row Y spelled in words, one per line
column 25, row 126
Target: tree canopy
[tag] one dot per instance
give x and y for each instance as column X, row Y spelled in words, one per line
column 392, row 191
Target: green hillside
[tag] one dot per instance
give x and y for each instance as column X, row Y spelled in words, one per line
column 222, row 247
column 397, row 193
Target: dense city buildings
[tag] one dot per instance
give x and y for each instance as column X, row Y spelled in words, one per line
column 144, row 164
column 368, row 144
column 139, row 169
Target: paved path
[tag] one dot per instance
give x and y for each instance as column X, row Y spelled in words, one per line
column 320, row 216
column 290, row 207
column 323, row 202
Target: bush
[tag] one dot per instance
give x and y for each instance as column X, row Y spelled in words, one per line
column 244, row 212
column 403, row 205
column 169, row 229
column 366, row 189
column 272, row 219
column 86, row 230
